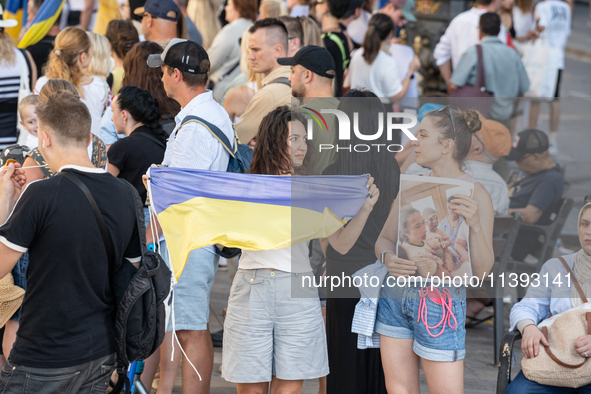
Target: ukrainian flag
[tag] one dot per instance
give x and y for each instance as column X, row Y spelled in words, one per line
column 197, row 208
column 17, row 10
column 44, row 19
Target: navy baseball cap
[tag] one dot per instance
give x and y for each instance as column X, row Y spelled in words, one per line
column 165, row 9
column 182, row 54
column 528, row 141
column 314, row 58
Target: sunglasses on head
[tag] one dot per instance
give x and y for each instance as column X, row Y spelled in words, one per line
column 451, row 116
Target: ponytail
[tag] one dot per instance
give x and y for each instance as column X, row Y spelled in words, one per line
column 380, row 26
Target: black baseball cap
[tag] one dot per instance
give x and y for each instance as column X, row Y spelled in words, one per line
column 353, row 5
column 314, row 58
column 165, row 9
column 182, row 54
column 528, row 141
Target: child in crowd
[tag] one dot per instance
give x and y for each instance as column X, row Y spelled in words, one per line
column 26, row 109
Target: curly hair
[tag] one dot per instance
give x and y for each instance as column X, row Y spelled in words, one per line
column 63, row 63
column 466, row 124
column 143, row 108
column 137, row 73
column 270, row 155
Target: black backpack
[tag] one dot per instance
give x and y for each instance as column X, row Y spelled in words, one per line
column 140, row 295
column 240, row 155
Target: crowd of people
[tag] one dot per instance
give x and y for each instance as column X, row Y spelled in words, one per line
column 157, row 85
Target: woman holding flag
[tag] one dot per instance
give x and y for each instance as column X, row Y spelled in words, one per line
column 271, row 334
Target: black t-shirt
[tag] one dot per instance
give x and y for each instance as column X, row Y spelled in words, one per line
column 542, row 190
column 338, row 47
column 134, row 155
column 40, row 52
column 68, row 311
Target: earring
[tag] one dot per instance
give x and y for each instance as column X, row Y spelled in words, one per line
column 43, row 144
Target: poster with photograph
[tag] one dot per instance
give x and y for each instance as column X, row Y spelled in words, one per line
column 430, row 233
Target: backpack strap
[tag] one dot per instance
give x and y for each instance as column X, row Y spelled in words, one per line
column 215, row 132
column 337, row 40
column 282, row 80
column 575, row 281
column 105, row 234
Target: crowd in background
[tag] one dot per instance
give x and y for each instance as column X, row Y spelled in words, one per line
column 163, row 81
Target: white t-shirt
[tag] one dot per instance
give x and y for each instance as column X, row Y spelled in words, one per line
column 357, row 27
column 97, row 97
column 381, row 77
column 522, row 22
column 294, row 259
column 555, row 16
column 461, row 34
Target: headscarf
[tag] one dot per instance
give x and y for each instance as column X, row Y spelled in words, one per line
column 582, row 269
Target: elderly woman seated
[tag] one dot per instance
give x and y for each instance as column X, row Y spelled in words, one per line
column 542, row 301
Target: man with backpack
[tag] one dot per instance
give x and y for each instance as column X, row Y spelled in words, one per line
column 192, row 144
column 268, row 41
column 67, row 336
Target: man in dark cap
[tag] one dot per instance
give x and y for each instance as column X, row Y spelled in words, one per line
column 159, row 20
column 536, row 195
column 312, row 73
column 185, row 67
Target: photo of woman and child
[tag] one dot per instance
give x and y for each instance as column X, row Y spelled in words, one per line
column 433, row 235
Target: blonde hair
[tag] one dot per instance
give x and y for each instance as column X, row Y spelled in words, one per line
column 63, row 62
column 101, row 56
column 7, row 55
column 53, row 86
column 312, row 33
column 245, row 65
column 270, row 9
column 203, row 14
column 32, row 99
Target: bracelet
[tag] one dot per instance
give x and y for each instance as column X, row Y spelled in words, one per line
column 384, row 254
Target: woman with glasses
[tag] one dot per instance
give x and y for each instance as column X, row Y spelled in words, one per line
column 403, row 316
column 541, row 302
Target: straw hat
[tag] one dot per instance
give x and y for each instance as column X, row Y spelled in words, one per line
column 11, row 298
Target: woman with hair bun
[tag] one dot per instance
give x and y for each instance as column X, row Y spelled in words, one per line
column 372, row 67
column 122, row 36
column 137, row 115
column 442, row 144
column 69, row 60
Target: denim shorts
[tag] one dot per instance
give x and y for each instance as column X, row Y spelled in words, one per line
column 398, row 317
column 19, row 272
column 269, row 331
column 192, row 291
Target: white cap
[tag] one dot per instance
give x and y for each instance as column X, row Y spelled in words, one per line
column 7, row 22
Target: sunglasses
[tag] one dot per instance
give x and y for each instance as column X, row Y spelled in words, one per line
column 451, row 116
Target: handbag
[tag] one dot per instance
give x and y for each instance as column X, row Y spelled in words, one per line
column 541, row 65
column 474, row 97
column 559, row 364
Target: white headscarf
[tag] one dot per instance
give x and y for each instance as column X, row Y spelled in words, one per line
column 582, row 269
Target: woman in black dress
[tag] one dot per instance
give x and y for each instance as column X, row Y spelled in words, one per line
column 355, row 370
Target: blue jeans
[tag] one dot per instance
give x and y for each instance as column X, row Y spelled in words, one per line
column 522, row 385
column 89, row 378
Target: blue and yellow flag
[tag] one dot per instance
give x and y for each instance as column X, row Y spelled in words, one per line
column 17, row 10
column 198, row 208
column 44, row 19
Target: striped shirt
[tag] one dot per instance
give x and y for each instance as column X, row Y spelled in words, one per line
column 10, row 76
